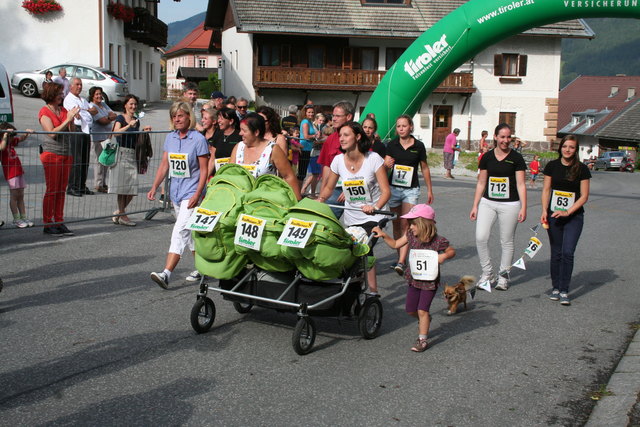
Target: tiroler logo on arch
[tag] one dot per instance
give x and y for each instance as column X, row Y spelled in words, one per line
column 433, row 53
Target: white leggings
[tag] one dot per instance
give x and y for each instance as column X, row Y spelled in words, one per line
column 181, row 236
column 507, row 214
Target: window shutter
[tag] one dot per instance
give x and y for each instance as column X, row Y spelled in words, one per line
column 522, row 65
column 497, row 65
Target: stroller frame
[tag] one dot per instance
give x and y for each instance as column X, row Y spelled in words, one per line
column 366, row 309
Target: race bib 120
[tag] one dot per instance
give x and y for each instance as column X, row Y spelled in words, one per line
column 179, row 165
column 498, row 187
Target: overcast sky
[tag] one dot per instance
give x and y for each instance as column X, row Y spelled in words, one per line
column 170, row 11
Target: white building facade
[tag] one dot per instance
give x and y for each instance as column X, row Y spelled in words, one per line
column 84, row 32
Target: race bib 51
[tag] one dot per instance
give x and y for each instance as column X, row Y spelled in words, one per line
column 424, row 264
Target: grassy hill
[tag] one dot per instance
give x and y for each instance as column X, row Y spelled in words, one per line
column 179, row 29
column 615, row 50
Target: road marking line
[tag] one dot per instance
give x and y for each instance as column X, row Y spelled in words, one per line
column 58, row 240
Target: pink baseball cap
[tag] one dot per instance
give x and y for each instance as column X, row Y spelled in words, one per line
column 421, row 211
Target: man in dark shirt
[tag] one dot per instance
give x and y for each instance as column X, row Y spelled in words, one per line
column 291, row 120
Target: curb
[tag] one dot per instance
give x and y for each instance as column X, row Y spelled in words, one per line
column 624, row 385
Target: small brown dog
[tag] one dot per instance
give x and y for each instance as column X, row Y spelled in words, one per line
column 457, row 294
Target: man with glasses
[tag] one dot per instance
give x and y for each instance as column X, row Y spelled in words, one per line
column 342, row 113
column 242, row 108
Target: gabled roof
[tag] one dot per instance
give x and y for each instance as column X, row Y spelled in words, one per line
column 351, row 18
column 198, row 39
column 592, row 96
column 626, row 126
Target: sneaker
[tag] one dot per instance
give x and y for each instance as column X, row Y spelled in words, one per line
column 487, row 277
column 503, row 284
column 28, row 221
column 370, row 293
column 420, row 345
column 20, row 223
column 65, row 231
column 52, row 230
column 194, row 276
column 160, row 279
column 555, row 295
column 399, row 268
column 564, row 299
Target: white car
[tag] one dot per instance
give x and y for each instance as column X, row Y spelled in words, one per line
column 6, row 100
column 114, row 87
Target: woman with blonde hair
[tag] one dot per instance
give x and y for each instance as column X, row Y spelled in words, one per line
column 184, row 159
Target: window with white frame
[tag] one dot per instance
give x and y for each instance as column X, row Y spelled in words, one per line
column 202, row 62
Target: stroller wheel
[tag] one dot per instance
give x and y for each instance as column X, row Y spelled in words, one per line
column 242, row 307
column 304, row 335
column 370, row 318
column 203, row 314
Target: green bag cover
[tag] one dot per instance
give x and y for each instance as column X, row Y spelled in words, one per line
column 330, row 249
column 270, row 200
column 216, row 254
column 109, row 154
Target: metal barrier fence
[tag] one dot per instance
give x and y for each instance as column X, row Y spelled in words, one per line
column 86, row 207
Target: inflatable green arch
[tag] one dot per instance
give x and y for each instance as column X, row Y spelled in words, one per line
column 462, row 34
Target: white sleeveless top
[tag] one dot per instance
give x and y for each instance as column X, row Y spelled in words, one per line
column 264, row 164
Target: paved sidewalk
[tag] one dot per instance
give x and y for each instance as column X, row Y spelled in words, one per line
column 614, row 409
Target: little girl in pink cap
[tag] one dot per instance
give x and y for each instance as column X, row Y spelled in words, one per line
column 427, row 250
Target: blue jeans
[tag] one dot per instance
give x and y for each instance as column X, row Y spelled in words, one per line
column 333, row 200
column 563, row 237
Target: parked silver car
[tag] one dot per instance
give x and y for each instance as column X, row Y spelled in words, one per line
column 114, row 87
column 610, row 160
column 6, row 101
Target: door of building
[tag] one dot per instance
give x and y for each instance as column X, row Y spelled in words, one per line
column 441, row 124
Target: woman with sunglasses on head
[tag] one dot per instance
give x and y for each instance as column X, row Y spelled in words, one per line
column 501, row 193
column 564, row 193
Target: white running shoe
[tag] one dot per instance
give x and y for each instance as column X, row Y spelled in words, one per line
column 194, row 276
column 160, row 279
column 503, row 284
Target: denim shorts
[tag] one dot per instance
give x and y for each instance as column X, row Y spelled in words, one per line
column 400, row 195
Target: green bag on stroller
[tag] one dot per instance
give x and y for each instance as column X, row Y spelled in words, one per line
column 216, row 254
column 270, row 200
column 330, row 249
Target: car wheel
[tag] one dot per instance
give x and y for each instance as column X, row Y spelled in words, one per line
column 29, row 88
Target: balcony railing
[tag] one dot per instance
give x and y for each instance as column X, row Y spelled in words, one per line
column 146, row 28
column 335, row 79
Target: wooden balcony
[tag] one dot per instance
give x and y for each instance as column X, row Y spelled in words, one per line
column 146, row 28
column 346, row 80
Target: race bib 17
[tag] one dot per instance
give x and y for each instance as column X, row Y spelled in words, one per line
column 402, row 175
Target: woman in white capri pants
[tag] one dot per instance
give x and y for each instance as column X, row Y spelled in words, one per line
column 501, row 193
column 185, row 159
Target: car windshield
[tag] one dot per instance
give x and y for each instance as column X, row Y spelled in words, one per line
column 616, row 154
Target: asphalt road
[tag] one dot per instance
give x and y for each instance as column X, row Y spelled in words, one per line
column 88, row 339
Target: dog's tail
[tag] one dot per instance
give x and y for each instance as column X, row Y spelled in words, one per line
column 468, row 282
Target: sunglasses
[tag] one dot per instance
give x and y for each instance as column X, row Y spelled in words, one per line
column 242, row 107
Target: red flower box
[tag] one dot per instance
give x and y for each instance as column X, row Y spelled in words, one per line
column 121, row 12
column 39, row 7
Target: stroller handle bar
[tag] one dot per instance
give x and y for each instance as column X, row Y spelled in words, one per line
column 378, row 212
